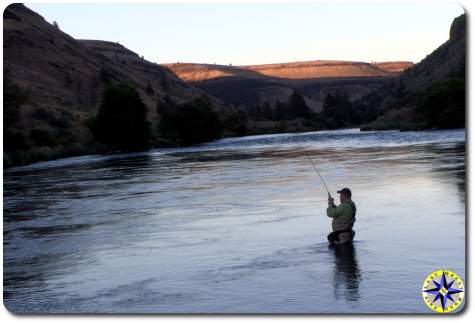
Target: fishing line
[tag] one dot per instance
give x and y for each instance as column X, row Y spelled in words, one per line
column 316, row 170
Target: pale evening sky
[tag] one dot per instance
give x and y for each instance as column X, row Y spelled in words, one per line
column 258, row 33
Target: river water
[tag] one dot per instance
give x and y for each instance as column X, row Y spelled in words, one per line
column 237, row 226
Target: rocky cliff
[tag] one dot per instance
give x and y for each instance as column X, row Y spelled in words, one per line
column 399, row 100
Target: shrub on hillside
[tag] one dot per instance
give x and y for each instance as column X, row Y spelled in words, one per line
column 149, row 89
column 235, row 122
column 42, row 137
column 121, row 121
column 442, row 105
column 59, row 121
column 13, row 98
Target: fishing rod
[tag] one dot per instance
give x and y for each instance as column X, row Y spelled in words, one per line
column 318, row 172
column 319, row 175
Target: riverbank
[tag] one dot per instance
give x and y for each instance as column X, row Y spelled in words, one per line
column 42, row 154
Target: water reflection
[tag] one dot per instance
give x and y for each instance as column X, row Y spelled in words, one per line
column 347, row 276
column 450, row 164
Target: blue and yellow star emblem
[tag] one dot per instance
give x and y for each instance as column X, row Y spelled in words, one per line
column 443, row 291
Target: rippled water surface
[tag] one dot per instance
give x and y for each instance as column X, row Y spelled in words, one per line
column 237, row 226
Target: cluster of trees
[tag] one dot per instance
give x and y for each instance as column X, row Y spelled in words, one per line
column 189, row 123
column 122, row 123
column 295, row 107
column 340, row 112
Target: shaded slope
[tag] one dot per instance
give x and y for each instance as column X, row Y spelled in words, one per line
column 64, row 79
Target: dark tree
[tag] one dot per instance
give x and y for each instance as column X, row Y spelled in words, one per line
column 267, row 111
column 297, row 106
column 193, row 122
column 338, row 110
column 281, row 111
column 369, row 107
column 122, row 119
column 235, row 122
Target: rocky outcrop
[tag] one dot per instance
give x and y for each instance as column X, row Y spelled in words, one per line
column 458, row 28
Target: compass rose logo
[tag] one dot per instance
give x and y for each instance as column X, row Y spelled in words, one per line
column 443, row 291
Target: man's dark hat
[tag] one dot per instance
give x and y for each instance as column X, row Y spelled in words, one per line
column 346, row 191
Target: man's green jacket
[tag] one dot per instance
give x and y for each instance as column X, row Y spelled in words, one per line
column 343, row 215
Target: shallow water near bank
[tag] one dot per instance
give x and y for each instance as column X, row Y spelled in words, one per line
column 237, row 226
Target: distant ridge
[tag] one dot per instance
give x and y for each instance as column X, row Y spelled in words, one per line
column 195, row 72
column 249, row 85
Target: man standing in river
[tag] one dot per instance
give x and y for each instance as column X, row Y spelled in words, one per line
column 343, row 218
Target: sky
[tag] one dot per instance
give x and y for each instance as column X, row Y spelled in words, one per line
column 259, row 33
